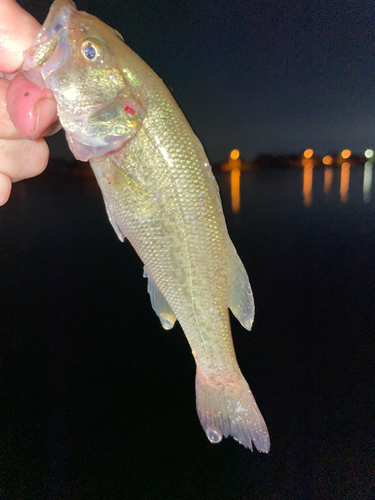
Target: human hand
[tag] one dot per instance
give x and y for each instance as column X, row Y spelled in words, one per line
column 27, row 112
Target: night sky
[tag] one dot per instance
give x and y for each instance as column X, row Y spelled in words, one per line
column 266, row 76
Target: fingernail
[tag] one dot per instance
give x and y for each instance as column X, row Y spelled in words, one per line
column 3, row 83
column 45, row 111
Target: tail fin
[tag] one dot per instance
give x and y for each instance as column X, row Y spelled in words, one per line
column 230, row 410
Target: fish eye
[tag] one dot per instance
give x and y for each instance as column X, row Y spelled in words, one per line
column 92, row 50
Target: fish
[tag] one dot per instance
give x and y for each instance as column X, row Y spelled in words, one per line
column 161, row 195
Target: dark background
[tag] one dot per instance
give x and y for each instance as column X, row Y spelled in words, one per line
column 261, row 76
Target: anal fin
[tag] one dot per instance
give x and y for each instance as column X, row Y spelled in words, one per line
column 241, row 300
column 160, row 304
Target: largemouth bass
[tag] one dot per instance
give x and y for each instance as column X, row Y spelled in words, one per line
column 160, row 194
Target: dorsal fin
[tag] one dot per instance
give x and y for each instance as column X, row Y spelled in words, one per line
column 241, row 300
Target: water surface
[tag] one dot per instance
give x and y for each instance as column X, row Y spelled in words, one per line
column 97, row 400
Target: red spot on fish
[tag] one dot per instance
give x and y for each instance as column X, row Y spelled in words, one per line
column 129, row 110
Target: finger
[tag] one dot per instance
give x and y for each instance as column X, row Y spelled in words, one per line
column 31, row 108
column 7, row 128
column 5, row 188
column 17, row 32
column 21, row 159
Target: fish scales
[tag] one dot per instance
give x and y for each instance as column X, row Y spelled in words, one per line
column 161, row 195
column 167, row 219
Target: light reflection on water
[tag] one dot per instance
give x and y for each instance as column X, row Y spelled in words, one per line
column 235, row 179
column 334, row 182
column 327, row 186
column 307, row 184
column 344, row 183
column 367, row 182
column 328, row 176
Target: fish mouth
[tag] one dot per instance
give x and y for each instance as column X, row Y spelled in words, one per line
column 50, row 48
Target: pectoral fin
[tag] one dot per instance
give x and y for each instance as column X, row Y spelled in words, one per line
column 112, row 220
column 160, row 304
column 241, row 300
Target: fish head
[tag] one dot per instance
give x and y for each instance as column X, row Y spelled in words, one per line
column 74, row 55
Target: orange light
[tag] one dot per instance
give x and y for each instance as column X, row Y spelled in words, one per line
column 327, row 160
column 235, row 154
column 308, row 153
column 346, row 153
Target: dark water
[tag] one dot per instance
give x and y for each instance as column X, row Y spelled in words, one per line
column 97, row 400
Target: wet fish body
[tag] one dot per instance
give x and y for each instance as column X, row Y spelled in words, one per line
column 161, row 195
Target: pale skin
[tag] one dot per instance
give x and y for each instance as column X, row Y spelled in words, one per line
column 27, row 113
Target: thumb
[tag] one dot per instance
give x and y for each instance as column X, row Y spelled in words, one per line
column 31, row 108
